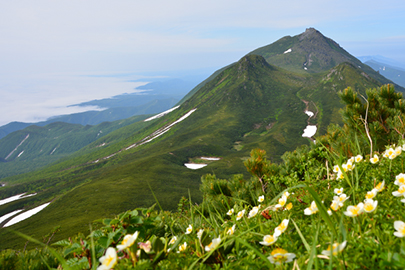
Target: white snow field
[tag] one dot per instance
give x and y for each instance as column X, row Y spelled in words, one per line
column 309, row 131
column 194, row 166
column 26, row 215
column 15, row 197
column 210, row 158
column 161, row 114
column 6, row 216
column 309, row 113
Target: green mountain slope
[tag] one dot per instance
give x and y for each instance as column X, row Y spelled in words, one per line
column 312, row 52
column 249, row 104
column 33, row 147
column 309, row 52
column 395, row 74
column 120, row 107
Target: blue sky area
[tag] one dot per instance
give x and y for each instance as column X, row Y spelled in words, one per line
column 55, row 53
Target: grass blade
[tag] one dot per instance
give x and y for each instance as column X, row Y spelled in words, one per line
column 307, row 246
column 322, row 210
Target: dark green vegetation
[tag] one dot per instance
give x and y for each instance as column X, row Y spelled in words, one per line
column 33, row 147
column 249, row 104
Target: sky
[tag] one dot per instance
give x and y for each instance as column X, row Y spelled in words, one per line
column 57, row 53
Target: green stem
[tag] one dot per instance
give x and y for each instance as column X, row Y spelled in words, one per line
column 359, row 223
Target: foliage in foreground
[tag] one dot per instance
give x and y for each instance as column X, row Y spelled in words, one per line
column 329, row 206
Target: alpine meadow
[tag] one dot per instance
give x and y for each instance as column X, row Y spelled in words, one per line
column 226, row 179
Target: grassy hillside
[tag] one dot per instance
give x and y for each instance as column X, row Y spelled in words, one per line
column 250, row 104
column 330, row 205
column 34, row 147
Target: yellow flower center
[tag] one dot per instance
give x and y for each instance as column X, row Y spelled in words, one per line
column 182, row 247
column 278, row 251
column 369, row 195
column 108, row 260
column 125, row 241
column 401, row 189
column 281, row 227
column 355, row 210
column 378, row 187
column 289, row 206
column 334, row 206
column 368, row 206
column 402, row 230
column 279, row 255
column 280, row 258
column 334, row 248
column 281, row 201
column 268, row 239
column 401, row 180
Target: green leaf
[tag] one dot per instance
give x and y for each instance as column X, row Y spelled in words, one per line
column 205, row 239
column 228, row 246
column 104, row 242
column 158, row 245
column 63, row 243
column 107, row 221
column 136, row 220
column 160, row 256
column 74, row 248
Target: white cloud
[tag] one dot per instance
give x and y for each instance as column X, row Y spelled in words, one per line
column 38, row 98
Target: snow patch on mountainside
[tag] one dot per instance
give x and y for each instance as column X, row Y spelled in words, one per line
column 161, row 114
column 6, row 216
column 161, row 131
column 152, row 136
column 15, row 197
column 53, row 151
column 210, row 158
column 15, row 149
column 309, row 131
column 288, row 51
column 195, row 166
column 26, row 215
column 309, row 113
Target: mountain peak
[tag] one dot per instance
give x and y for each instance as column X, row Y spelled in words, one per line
column 308, row 52
column 310, row 32
column 252, row 61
